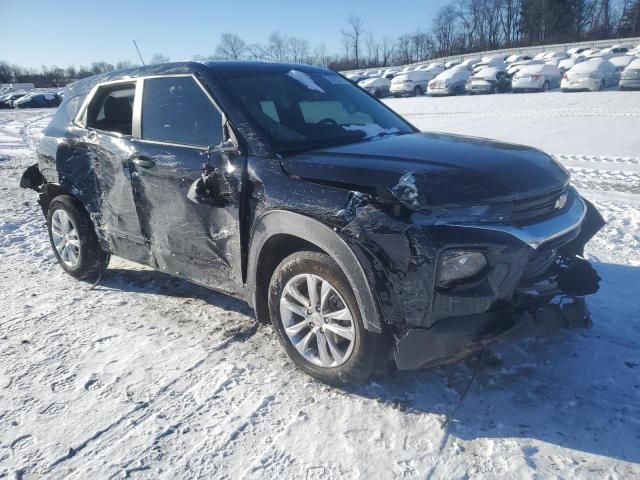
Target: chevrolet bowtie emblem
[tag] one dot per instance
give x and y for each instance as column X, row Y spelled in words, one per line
column 561, row 201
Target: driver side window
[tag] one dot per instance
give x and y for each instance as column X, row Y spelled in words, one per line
column 176, row 110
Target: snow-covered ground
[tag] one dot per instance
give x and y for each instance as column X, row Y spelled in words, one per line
column 148, row 376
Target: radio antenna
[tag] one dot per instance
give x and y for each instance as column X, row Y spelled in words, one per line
column 138, row 50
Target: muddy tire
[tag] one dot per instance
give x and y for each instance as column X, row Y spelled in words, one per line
column 74, row 240
column 316, row 318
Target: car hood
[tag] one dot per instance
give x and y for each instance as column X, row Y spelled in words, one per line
column 441, row 169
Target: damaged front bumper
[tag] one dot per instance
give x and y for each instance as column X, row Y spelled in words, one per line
column 549, row 295
column 455, row 338
column 534, row 280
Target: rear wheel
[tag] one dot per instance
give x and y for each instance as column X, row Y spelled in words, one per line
column 417, row 92
column 545, row 86
column 316, row 317
column 73, row 239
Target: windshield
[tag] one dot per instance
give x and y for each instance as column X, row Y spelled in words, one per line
column 298, row 111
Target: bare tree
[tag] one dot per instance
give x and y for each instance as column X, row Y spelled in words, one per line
column 354, row 34
column 159, row 58
column 277, row 47
column 299, row 49
column 255, row 51
column 230, row 47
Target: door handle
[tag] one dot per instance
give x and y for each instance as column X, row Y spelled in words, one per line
column 144, row 162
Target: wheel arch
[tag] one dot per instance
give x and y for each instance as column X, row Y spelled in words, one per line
column 279, row 233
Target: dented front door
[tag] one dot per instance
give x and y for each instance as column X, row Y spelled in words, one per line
column 187, row 200
column 186, row 187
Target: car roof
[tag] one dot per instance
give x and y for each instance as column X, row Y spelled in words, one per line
column 218, row 66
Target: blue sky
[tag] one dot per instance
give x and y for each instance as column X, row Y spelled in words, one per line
column 78, row 32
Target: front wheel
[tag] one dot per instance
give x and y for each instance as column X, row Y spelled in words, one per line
column 316, row 317
column 545, row 86
column 74, row 240
column 417, row 92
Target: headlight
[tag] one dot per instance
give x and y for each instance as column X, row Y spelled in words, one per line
column 456, row 265
column 498, row 213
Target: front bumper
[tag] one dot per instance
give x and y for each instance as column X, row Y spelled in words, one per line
column 403, row 88
column 527, row 85
column 460, row 337
column 435, row 91
column 480, row 87
column 630, row 84
column 581, row 84
column 529, row 290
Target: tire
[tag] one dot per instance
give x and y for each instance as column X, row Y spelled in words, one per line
column 84, row 258
column 603, row 85
column 545, row 87
column 308, row 327
column 417, row 92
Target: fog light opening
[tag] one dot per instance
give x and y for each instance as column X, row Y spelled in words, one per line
column 458, row 265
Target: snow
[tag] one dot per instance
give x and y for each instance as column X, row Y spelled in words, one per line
column 149, row 376
column 305, row 80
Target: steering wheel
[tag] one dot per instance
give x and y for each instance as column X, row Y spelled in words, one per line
column 328, row 121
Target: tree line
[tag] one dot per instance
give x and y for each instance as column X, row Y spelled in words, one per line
column 459, row 27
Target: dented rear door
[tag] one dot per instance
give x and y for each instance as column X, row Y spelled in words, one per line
column 187, row 192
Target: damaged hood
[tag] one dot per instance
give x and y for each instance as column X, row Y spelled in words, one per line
column 441, row 169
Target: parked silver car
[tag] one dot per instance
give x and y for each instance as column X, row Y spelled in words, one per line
column 539, row 78
column 630, row 79
column 593, row 75
column 449, row 82
column 488, row 80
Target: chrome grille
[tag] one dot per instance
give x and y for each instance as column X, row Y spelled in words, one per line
column 538, row 207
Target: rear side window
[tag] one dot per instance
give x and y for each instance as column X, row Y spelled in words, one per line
column 176, row 110
column 111, row 109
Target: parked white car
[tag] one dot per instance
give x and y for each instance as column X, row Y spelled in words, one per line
column 630, row 79
column 616, row 50
column 594, row 74
column 377, row 86
column 451, row 64
column 432, row 66
column 590, row 52
column 517, row 58
column 413, row 83
column 568, row 63
column 515, row 67
column 621, row 62
column 449, row 82
column 495, row 62
column 558, row 54
column 540, row 78
column 488, row 80
column 577, row 50
column 540, row 56
column 469, row 63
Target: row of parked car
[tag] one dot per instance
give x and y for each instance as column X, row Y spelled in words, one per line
column 580, row 68
column 30, row 99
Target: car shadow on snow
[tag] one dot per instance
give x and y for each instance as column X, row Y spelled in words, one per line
column 576, row 389
column 158, row 283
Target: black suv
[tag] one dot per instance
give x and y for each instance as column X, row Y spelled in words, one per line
column 332, row 216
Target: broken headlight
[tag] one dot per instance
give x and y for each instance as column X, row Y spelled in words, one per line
column 498, row 213
column 457, row 265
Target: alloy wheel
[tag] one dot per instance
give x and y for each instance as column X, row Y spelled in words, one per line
column 317, row 320
column 65, row 238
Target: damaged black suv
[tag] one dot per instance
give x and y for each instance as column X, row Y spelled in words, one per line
column 356, row 235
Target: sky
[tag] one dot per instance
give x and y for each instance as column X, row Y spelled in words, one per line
column 63, row 32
